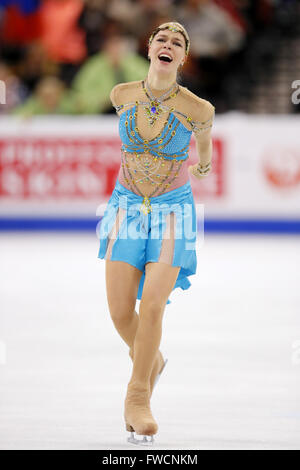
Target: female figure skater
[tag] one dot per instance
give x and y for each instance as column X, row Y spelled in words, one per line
column 148, row 231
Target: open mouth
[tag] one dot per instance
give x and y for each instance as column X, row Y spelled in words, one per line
column 164, row 58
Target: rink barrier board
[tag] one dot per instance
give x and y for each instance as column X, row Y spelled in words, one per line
column 211, row 225
column 55, row 171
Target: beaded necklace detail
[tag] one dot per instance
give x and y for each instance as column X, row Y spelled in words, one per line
column 146, row 205
column 155, row 108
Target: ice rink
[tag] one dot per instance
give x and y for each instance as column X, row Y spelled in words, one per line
column 232, row 341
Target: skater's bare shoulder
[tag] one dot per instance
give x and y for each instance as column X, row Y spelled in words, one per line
column 122, row 92
column 199, row 108
column 201, row 112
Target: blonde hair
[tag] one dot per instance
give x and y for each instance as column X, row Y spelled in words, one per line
column 174, row 27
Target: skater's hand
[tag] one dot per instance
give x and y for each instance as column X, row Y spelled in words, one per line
column 193, row 170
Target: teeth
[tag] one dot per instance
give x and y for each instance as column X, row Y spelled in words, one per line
column 165, row 55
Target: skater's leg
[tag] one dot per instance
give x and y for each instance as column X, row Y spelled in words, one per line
column 160, row 279
column 122, row 281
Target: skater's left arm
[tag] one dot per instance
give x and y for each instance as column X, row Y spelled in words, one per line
column 203, row 138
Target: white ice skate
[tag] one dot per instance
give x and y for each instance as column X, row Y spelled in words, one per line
column 145, row 441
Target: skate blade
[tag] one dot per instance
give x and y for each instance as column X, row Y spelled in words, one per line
column 141, row 442
column 158, row 375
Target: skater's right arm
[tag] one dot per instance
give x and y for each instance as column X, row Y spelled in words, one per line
column 115, row 95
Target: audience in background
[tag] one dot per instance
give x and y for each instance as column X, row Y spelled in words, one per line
column 15, row 91
column 49, row 97
column 117, row 62
column 91, row 45
column 34, row 65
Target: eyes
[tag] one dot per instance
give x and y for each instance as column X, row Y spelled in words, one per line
column 177, row 43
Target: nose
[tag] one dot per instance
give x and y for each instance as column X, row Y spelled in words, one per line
column 167, row 45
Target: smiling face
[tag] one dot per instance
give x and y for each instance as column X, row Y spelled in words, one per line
column 167, row 50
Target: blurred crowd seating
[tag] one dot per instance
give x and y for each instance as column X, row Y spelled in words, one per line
column 64, row 56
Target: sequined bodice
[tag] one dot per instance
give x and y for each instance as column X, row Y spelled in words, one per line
column 155, row 165
column 172, row 142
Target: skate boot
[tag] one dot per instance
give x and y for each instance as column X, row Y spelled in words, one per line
column 138, row 416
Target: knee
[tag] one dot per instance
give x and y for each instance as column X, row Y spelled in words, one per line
column 151, row 310
column 122, row 313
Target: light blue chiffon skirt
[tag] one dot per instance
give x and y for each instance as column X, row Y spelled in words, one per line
column 128, row 234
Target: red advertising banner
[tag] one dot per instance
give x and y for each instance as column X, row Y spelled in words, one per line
column 37, row 168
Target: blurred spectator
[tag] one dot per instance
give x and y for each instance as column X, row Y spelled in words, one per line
column 93, row 20
column 53, row 28
column 14, row 90
column 35, row 65
column 214, row 36
column 125, row 12
column 116, row 62
column 258, row 13
column 137, row 15
column 62, row 39
column 50, row 97
column 233, row 8
column 26, row 7
column 20, row 21
column 212, row 31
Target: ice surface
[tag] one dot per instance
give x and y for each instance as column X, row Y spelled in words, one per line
column 233, row 343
